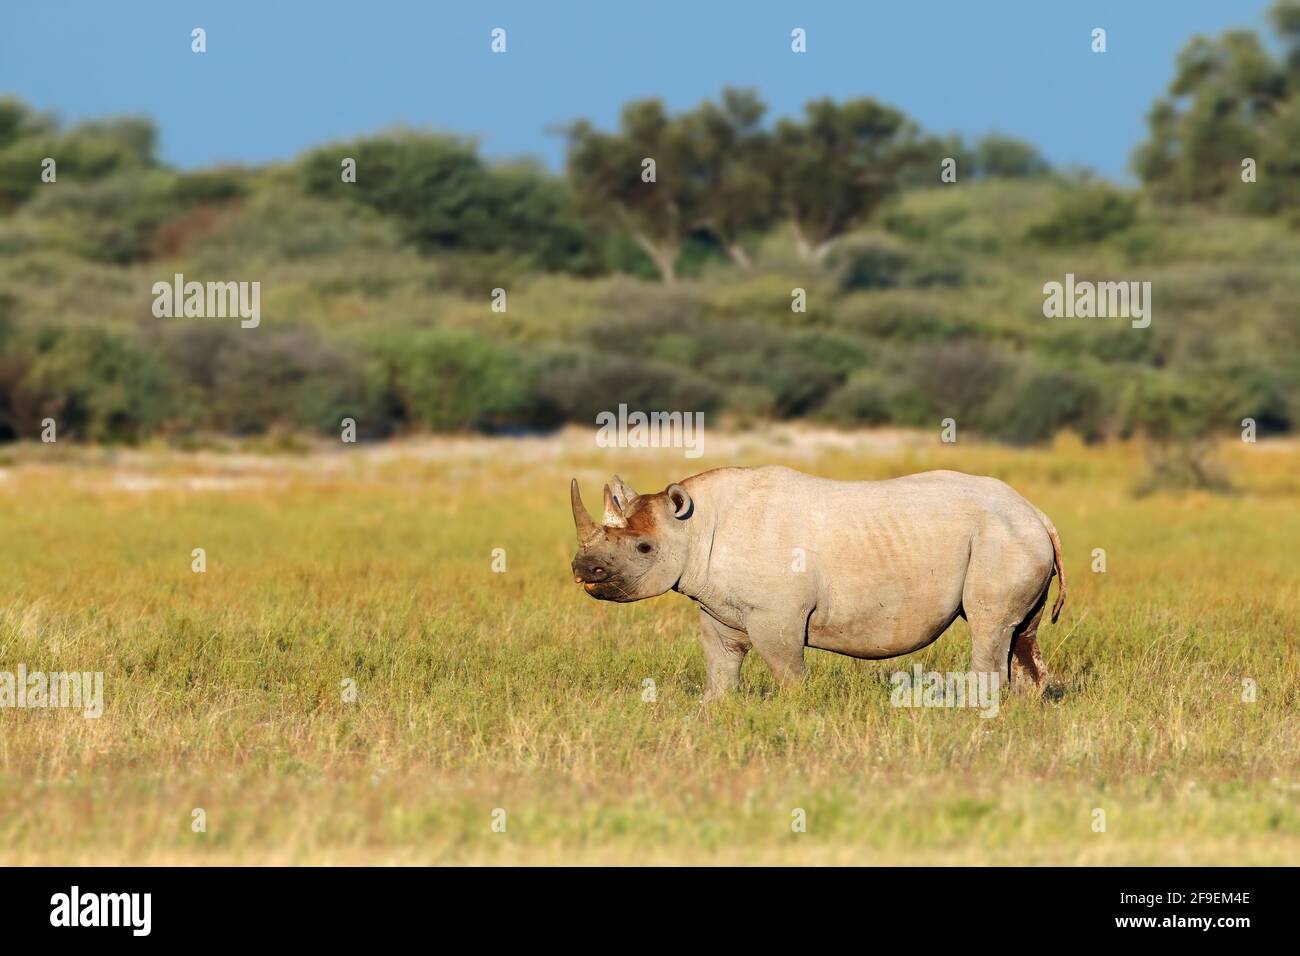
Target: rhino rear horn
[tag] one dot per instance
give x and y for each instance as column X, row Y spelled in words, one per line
column 587, row 529
column 624, row 495
column 614, row 517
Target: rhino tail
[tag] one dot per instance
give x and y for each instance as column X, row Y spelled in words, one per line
column 1057, row 562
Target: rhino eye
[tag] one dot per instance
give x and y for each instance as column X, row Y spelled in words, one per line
column 644, row 548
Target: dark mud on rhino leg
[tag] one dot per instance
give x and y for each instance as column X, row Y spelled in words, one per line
column 1028, row 672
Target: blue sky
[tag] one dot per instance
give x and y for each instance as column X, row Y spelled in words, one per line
column 282, row 75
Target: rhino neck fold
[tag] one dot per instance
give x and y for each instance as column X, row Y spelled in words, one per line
column 694, row 580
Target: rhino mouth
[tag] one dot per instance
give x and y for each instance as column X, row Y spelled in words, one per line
column 611, row 589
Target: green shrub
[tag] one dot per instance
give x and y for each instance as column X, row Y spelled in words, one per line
column 1267, row 391
column 84, row 154
column 1039, row 402
column 870, row 263
column 877, row 262
column 247, row 382
column 569, row 384
column 924, row 222
column 475, row 274
column 1169, row 407
column 1007, row 158
column 959, row 380
column 97, row 384
column 1110, row 344
column 445, row 198
column 1086, row 215
column 111, row 221
column 219, row 185
column 865, row 399
column 800, row 370
column 904, row 318
column 16, row 416
column 446, row 380
column 284, row 226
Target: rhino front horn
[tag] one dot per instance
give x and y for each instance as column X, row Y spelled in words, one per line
column 587, row 528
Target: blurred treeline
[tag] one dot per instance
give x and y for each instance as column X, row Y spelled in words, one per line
column 923, row 298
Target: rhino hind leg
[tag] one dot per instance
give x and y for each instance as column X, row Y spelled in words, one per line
column 1004, row 596
column 1028, row 672
column 991, row 647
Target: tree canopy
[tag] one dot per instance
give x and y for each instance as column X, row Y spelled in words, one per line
column 1231, row 100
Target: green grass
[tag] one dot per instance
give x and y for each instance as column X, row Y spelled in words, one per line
column 478, row 690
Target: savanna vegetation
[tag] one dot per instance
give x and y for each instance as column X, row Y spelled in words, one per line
column 923, row 298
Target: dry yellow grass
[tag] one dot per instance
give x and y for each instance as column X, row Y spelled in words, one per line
column 479, row 690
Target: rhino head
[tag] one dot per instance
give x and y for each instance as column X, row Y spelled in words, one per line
column 639, row 549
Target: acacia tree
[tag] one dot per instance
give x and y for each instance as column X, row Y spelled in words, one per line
column 638, row 180
column 443, row 196
column 1004, row 157
column 1230, row 99
column 834, row 168
column 719, row 172
column 733, row 195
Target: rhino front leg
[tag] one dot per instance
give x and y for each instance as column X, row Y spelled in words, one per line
column 724, row 652
column 780, row 642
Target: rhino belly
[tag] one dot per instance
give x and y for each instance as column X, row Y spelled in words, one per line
column 893, row 618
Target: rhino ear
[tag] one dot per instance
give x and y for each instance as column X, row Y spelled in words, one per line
column 679, row 499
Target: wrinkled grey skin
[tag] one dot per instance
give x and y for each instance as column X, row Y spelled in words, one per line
column 778, row 561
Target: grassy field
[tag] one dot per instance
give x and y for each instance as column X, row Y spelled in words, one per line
column 478, row 690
